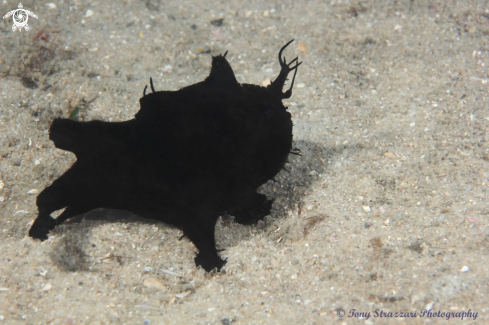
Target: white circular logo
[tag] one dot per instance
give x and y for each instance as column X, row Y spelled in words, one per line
column 20, row 17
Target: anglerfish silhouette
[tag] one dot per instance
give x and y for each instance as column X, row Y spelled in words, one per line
column 187, row 157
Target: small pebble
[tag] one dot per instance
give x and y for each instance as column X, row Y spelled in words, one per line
column 33, row 191
column 2, row 317
column 225, row 321
column 464, row 269
column 183, row 294
column 301, row 48
column 51, row 5
column 36, row 162
column 146, row 322
column 89, row 13
column 298, row 298
column 301, row 85
column 188, row 287
column 154, row 283
column 47, row 287
column 217, row 34
column 217, row 22
column 35, row 108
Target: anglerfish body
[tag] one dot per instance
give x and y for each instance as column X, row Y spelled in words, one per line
column 187, row 157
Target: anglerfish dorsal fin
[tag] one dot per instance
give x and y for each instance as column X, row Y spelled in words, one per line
column 221, row 72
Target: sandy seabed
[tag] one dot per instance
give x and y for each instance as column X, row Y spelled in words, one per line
column 386, row 210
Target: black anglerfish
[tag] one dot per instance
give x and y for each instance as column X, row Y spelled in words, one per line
column 187, row 157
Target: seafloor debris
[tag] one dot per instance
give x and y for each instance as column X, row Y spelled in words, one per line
column 186, row 158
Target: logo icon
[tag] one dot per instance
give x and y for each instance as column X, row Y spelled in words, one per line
column 20, row 17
